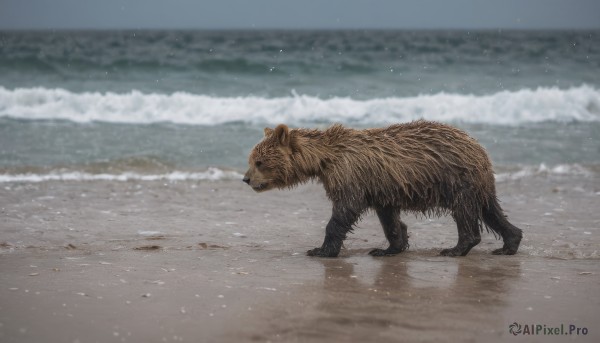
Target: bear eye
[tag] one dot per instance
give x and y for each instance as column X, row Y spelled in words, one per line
column 258, row 164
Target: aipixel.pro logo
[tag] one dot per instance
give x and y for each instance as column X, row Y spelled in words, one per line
column 544, row 330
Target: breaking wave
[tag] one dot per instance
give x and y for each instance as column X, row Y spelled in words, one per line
column 503, row 108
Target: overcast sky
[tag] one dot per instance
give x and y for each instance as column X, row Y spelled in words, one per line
column 299, row 14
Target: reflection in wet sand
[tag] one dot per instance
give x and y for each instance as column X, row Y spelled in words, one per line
column 408, row 296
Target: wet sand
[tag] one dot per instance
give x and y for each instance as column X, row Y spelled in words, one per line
column 215, row 262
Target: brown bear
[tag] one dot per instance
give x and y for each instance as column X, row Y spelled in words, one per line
column 422, row 166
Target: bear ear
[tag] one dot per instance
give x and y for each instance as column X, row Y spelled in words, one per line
column 268, row 131
column 282, row 133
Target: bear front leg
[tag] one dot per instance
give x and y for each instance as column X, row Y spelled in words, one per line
column 340, row 223
column 395, row 232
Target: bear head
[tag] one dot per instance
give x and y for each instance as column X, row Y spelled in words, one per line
column 270, row 164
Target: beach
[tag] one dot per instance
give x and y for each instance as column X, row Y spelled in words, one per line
column 212, row 261
column 124, row 218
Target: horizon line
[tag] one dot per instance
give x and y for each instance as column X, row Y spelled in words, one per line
column 301, row 29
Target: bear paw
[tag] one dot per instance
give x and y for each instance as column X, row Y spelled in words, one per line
column 504, row 251
column 386, row 252
column 452, row 252
column 320, row 252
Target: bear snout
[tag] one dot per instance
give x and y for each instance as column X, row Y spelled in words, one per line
column 246, row 180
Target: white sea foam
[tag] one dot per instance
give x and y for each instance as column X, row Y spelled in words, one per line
column 215, row 174
column 506, row 108
column 211, row 174
column 542, row 169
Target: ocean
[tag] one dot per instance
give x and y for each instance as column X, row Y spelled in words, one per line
column 189, row 105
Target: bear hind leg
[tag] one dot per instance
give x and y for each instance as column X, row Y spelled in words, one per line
column 468, row 235
column 495, row 219
column 395, row 231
